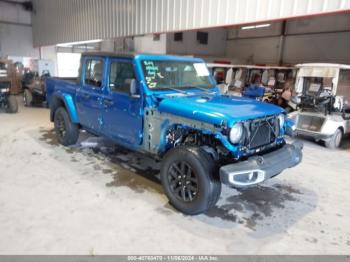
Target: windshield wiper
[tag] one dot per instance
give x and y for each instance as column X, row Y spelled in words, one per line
column 201, row 88
column 175, row 89
column 186, row 92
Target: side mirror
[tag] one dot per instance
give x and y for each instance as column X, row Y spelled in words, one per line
column 133, row 89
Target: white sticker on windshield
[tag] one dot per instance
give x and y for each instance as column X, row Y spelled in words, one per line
column 201, row 69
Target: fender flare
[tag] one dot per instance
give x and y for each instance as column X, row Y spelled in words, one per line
column 68, row 102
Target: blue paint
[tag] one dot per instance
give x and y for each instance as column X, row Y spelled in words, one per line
column 216, row 109
column 124, row 118
column 289, row 127
column 69, row 102
column 254, row 91
column 113, row 113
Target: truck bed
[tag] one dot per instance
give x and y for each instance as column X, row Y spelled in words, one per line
column 61, row 85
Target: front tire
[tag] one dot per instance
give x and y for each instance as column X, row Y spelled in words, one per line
column 27, row 97
column 67, row 132
column 12, row 105
column 190, row 180
column 335, row 141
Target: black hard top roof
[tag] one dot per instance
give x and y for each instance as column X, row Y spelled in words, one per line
column 133, row 55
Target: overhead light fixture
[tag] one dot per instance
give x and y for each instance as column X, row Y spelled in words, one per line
column 79, row 43
column 248, row 27
column 262, row 25
column 255, row 26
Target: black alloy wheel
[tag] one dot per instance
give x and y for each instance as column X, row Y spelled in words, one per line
column 183, row 181
column 190, row 179
column 67, row 132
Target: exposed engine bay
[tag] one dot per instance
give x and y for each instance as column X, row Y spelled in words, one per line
column 180, row 136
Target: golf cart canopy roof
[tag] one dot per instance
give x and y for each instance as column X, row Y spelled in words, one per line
column 320, row 69
column 210, row 65
column 340, row 66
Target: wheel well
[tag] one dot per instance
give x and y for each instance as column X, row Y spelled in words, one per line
column 56, row 103
column 179, row 136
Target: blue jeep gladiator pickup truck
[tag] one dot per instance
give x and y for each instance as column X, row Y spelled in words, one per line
column 170, row 107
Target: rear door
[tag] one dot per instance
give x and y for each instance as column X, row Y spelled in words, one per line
column 89, row 94
column 122, row 113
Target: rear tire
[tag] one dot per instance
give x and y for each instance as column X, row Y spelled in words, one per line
column 27, row 97
column 67, row 132
column 190, row 180
column 335, row 141
column 12, row 105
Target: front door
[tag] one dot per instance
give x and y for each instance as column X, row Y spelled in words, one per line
column 89, row 94
column 122, row 113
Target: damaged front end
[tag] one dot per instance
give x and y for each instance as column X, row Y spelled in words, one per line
column 260, row 168
column 248, row 155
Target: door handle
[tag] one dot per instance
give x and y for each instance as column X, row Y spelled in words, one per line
column 107, row 102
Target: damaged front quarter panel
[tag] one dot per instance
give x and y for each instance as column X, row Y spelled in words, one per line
column 157, row 139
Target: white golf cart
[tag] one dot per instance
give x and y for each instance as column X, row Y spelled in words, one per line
column 323, row 102
column 223, row 74
column 232, row 79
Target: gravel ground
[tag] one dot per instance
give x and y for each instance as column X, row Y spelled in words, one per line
column 95, row 198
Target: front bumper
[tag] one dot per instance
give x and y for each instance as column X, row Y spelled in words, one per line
column 257, row 169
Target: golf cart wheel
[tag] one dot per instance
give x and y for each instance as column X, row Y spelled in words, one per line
column 67, row 132
column 190, row 180
column 27, row 97
column 12, row 105
column 335, row 141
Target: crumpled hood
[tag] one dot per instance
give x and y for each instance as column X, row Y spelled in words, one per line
column 216, row 109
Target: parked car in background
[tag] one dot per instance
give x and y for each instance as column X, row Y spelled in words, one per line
column 322, row 101
column 170, row 108
column 34, row 88
column 7, row 100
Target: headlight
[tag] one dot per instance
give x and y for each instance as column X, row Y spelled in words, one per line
column 5, row 90
column 281, row 120
column 236, row 133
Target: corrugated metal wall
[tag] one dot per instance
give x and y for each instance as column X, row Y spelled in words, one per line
column 12, row 13
column 15, row 31
column 59, row 21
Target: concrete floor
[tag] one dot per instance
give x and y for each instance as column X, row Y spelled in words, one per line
column 94, row 198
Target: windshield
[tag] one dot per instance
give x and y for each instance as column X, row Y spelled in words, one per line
column 175, row 74
column 315, row 86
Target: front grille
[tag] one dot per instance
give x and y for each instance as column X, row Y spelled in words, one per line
column 261, row 132
column 312, row 123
